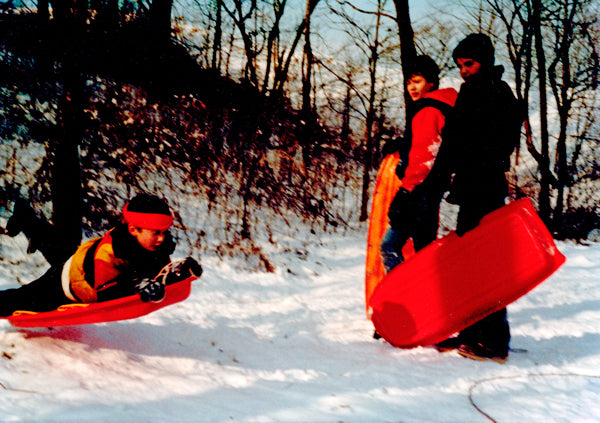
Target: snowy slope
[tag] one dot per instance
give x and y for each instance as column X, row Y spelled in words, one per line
column 294, row 346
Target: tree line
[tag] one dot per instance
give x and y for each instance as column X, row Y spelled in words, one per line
column 123, row 92
column 550, row 47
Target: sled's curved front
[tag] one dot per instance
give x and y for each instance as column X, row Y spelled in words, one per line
column 456, row 281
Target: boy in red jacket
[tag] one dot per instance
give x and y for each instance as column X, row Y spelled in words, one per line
column 120, row 263
column 414, row 212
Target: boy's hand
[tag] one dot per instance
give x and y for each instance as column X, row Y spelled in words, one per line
column 180, row 270
column 187, row 267
column 150, row 290
column 401, row 210
column 390, row 147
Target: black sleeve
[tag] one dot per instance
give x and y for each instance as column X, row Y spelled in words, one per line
column 123, row 288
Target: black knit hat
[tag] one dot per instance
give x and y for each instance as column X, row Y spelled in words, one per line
column 149, row 212
column 148, row 203
column 427, row 68
column 478, row 47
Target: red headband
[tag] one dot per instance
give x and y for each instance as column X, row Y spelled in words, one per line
column 154, row 221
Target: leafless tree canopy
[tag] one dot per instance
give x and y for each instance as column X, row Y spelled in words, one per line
column 284, row 104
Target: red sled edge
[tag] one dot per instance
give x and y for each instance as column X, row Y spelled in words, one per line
column 468, row 308
column 107, row 311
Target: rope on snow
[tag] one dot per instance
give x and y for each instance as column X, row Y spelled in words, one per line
column 527, row 375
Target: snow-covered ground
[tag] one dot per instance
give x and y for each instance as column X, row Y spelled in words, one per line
column 295, row 346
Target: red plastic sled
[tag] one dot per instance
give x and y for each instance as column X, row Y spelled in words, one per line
column 456, row 281
column 108, row 311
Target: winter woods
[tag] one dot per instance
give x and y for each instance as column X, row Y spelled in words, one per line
column 281, row 105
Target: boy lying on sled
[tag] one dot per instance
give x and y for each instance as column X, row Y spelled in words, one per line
column 121, row 263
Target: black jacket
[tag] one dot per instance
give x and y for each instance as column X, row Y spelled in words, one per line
column 481, row 132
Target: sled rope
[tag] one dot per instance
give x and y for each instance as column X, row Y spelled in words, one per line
column 482, row 381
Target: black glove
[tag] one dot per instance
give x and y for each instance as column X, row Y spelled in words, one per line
column 390, row 147
column 401, row 167
column 150, row 290
column 183, row 269
column 402, row 208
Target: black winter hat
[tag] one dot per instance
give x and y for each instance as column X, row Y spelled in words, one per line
column 427, row 68
column 478, row 47
column 149, row 212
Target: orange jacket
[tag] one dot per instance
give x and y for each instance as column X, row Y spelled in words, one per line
column 107, row 267
column 111, row 269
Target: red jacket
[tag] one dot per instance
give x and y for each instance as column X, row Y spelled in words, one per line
column 426, row 129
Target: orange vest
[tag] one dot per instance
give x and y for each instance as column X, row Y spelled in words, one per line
column 82, row 280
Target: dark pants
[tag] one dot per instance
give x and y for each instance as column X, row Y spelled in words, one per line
column 493, row 331
column 421, row 225
column 43, row 294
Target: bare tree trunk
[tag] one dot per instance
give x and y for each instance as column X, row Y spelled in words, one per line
column 307, row 113
column 107, row 12
column 368, row 159
column 216, row 50
column 272, row 45
column 544, row 162
column 282, row 71
column 240, row 17
column 560, row 88
column 66, row 173
column 160, row 20
column 345, row 132
column 43, row 10
column 408, row 51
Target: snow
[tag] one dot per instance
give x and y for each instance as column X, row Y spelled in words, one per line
column 295, row 346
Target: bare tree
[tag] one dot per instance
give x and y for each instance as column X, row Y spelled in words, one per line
column 553, row 41
column 308, row 118
column 241, row 17
column 408, row 51
column 572, row 72
column 160, row 20
column 218, row 35
column 370, row 39
column 66, row 181
column 273, row 53
column 282, row 71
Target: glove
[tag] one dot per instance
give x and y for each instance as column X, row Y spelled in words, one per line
column 188, row 267
column 150, row 290
column 401, row 168
column 183, row 269
column 402, row 208
column 390, row 147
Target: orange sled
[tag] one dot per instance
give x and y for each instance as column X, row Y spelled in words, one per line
column 456, row 281
column 386, row 186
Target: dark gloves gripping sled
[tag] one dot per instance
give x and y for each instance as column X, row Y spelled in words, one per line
column 183, row 269
column 401, row 145
column 150, row 290
column 391, row 146
column 154, row 289
column 402, row 208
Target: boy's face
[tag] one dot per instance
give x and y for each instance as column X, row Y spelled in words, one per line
column 417, row 87
column 467, row 67
column 150, row 239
